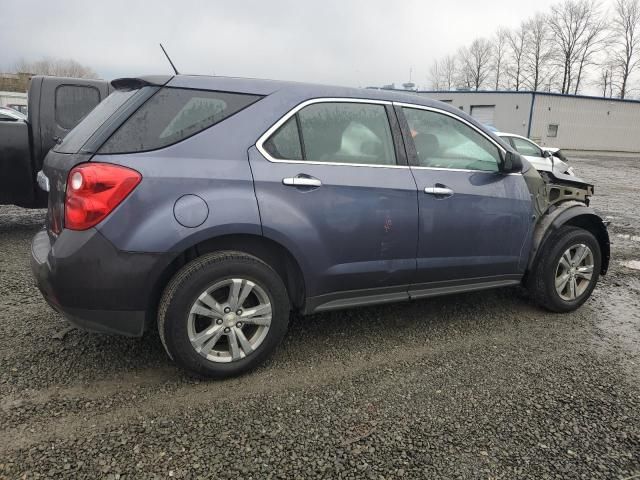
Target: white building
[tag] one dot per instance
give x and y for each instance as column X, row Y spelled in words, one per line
column 17, row 100
column 571, row 122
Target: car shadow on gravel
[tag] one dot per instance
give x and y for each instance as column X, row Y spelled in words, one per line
column 347, row 337
column 341, row 337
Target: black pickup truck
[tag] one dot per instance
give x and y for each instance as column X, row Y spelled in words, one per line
column 56, row 105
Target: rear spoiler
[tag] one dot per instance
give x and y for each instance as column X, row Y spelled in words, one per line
column 139, row 82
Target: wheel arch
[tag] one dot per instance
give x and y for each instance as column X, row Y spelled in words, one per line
column 575, row 214
column 269, row 251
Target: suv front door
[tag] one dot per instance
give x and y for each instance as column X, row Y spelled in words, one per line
column 333, row 187
column 474, row 219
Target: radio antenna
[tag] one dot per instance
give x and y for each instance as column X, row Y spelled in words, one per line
column 169, row 58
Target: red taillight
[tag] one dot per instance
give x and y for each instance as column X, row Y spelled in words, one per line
column 94, row 190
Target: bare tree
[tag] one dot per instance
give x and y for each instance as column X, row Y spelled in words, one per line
column 56, row 67
column 606, row 80
column 537, row 52
column 499, row 55
column 626, row 30
column 517, row 41
column 577, row 29
column 435, row 76
column 448, row 69
column 476, row 63
column 592, row 44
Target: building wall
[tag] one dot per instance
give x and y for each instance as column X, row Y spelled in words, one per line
column 12, row 98
column 15, row 82
column 511, row 109
column 586, row 123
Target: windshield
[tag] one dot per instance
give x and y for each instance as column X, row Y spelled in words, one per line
column 115, row 102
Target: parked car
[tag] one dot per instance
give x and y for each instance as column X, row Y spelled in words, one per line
column 543, row 159
column 11, row 115
column 211, row 207
column 19, row 107
column 56, row 105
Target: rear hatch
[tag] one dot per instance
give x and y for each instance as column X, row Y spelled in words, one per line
column 87, row 137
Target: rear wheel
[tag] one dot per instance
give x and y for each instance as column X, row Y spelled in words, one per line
column 567, row 269
column 223, row 314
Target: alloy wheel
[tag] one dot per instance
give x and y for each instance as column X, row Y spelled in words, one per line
column 229, row 320
column 574, row 272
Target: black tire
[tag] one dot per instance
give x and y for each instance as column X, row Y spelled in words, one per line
column 193, row 279
column 541, row 280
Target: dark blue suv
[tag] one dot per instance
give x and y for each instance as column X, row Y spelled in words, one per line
column 212, row 207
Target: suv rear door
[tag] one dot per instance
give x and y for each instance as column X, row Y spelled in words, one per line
column 474, row 219
column 333, row 187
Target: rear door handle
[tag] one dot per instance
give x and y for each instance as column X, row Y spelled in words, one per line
column 302, row 182
column 439, row 191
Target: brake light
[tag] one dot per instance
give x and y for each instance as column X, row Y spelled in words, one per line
column 94, row 190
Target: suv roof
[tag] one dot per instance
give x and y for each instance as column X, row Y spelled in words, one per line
column 266, row 87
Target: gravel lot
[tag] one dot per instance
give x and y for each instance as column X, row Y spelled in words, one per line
column 481, row 385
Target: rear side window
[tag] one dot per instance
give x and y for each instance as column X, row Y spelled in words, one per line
column 172, row 115
column 285, row 142
column 73, row 102
column 77, row 137
column 335, row 132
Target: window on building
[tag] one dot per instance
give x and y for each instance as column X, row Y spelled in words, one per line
column 552, row 130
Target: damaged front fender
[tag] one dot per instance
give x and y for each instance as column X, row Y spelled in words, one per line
column 564, row 200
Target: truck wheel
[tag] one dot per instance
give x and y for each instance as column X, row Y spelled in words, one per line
column 223, row 314
column 567, row 269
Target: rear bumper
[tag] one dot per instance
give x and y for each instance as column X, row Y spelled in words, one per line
column 95, row 286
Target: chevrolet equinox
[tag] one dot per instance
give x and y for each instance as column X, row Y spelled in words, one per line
column 211, row 207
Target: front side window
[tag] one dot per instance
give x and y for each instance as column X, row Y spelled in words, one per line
column 73, row 102
column 525, row 147
column 336, row 132
column 172, row 115
column 442, row 141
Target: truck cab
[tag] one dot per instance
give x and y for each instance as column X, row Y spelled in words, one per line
column 55, row 106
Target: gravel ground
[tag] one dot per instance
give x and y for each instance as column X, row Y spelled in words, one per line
column 481, row 385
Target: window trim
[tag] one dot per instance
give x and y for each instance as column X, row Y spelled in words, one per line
column 501, row 149
column 271, row 130
column 265, row 136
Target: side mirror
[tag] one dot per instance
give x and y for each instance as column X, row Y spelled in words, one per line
column 546, row 154
column 512, row 162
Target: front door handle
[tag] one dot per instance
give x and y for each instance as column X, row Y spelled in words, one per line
column 439, row 191
column 302, row 182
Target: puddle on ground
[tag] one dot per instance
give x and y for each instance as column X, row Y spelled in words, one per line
column 626, row 236
column 634, row 264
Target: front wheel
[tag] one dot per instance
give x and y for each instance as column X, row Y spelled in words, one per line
column 567, row 269
column 223, row 314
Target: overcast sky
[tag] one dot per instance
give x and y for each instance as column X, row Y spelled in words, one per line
column 355, row 43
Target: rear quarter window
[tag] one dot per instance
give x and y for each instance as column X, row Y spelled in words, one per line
column 73, row 103
column 172, row 115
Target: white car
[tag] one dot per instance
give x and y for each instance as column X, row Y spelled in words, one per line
column 542, row 159
column 11, row 115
